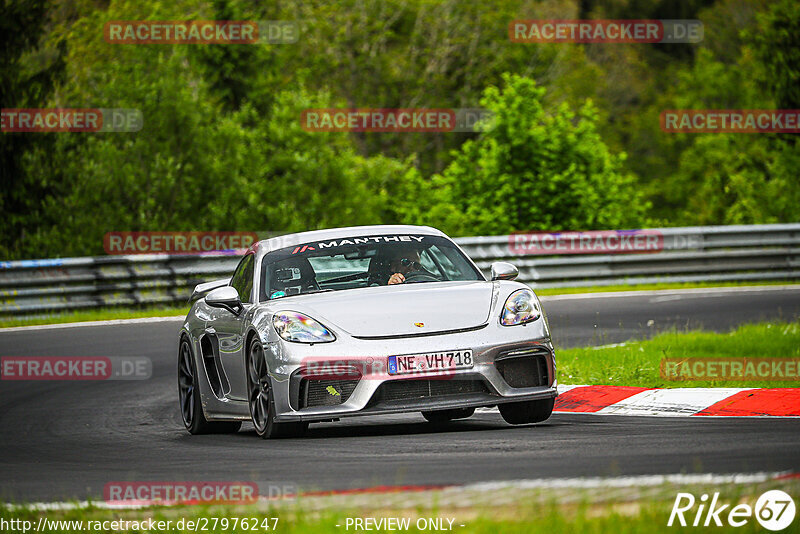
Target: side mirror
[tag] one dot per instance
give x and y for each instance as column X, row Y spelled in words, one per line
column 504, row 271
column 225, row 297
column 201, row 289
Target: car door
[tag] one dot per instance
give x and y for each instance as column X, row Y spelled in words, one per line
column 229, row 330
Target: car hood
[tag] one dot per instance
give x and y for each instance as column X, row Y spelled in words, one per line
column 399, row 310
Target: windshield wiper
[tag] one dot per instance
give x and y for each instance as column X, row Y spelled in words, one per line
column 346, row 278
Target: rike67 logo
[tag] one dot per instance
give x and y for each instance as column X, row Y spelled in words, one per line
column 774, row 510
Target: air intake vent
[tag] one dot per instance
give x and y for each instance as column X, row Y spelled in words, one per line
column 323, row 392
column 421, row 389
column 523, row 369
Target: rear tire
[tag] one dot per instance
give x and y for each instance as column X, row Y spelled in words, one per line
column 189, row 398
column 261, row 401
column 521, row 413
column 443, row 416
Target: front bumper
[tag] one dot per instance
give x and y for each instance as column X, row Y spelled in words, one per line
column 487, row 386
column 428, row 405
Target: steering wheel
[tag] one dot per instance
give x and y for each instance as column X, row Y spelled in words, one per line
column 420, row 276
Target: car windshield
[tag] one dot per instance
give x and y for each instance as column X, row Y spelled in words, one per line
column 363, row 261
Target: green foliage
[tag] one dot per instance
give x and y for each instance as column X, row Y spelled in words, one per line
column 194, row 166
column 424, row 53
column 24, row 84
column 777, row 44
column 274, row 175
column 533, row 169
column 222, row 147
column 737, row 178
column 197, row 163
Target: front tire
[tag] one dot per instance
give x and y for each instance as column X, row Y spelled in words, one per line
column 261, row 401
column 521, row 413
column 189, row 398
column 443, row 416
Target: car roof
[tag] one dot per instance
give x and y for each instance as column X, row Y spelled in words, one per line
column 289, row 240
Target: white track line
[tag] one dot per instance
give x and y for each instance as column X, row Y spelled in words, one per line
column 536, row 483
column 701, row 291
column 111, row 322
column 626, row 481
column 74, row 505
column 576, row 296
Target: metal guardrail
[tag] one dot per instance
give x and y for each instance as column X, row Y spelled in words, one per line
column 690, row 254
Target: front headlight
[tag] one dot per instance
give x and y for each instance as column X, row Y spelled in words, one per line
column 521, row 307
column 300, row 328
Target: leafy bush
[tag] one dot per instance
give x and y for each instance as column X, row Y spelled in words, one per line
column 533, row 169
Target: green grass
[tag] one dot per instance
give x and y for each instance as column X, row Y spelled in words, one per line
column 652, row 287
column 637, row 363
column 619, row 510
column 101, row 314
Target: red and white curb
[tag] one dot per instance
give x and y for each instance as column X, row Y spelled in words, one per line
column 677, row 402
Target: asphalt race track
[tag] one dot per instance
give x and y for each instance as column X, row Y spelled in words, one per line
column 66, row 440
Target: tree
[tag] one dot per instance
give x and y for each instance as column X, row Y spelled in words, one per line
column 742, row 178
column 24, row 85
column 777, row 45
column 534, row 169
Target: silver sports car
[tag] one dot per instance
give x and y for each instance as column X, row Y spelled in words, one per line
column 366, row 320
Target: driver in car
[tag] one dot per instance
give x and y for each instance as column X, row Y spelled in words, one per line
column 403, row 263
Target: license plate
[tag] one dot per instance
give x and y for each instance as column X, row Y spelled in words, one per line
column 432, row 361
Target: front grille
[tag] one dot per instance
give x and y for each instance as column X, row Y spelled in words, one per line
column 322, row 392
column 410, row 389
column 524, row 370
